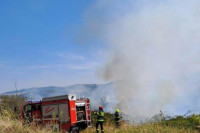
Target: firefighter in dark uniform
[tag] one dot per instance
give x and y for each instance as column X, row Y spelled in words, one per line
column 117, row 118
column 100, row 119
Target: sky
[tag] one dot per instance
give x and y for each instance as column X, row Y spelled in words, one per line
column 40, row 46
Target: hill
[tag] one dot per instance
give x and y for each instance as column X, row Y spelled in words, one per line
column 98, row 93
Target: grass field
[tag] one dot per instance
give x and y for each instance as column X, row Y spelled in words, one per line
column 14, row 126
column 147, row 128
column 10, row 123
column 172, row 125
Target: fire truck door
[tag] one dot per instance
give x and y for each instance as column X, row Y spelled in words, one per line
column 63, row 113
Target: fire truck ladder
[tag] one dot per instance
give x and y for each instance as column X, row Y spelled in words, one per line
column 88, row 114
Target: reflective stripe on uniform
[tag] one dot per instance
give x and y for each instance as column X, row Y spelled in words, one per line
column 100, row 115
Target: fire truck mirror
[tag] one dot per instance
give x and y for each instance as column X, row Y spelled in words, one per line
column 72, row 97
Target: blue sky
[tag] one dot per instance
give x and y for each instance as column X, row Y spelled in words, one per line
column 39, row 45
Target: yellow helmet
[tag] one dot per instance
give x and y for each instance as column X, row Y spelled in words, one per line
column 117, row 110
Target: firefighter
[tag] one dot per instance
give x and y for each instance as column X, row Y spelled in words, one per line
column 100, row 119
column 117, row 118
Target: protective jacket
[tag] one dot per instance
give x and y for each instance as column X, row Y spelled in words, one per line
column 117, row 117
column 100, row 115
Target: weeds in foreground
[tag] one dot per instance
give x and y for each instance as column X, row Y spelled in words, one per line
column 146, row 128
column 9, row 124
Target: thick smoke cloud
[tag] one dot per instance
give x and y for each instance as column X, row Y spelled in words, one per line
column 153, row 53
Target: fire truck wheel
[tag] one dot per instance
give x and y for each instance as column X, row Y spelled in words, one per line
column 75, row 130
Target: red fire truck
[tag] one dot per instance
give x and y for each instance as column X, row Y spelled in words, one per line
column 62, row 113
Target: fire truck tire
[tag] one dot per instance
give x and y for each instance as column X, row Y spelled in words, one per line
column 75, row 130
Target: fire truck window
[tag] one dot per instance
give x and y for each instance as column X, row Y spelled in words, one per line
column 28, row 108
column 33, row 108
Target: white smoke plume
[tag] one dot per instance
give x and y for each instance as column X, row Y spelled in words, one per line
column 153, row 51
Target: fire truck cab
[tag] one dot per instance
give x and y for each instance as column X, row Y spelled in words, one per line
column 63, row 113
column 31, row 112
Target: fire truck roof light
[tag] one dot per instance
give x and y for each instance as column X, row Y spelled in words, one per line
column 34, row 101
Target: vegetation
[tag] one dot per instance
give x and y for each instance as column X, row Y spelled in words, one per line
column 146, row 128
column 158, row 124
column 9, row 117
column 191, row 122
column 9, row 122
column 10, row 102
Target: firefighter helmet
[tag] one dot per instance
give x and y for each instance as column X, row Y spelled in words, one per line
column 100, row 107
column 117, row 110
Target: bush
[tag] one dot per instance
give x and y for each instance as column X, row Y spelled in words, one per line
column 192, row 122
column 158, row 124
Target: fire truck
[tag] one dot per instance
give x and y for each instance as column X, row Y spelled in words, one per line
column 62, row 113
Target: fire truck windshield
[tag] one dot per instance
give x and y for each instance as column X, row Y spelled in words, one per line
column 29, row 108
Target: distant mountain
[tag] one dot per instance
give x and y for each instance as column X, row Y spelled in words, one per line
column 98, row 93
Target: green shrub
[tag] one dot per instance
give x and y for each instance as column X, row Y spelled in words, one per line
column 191, row 122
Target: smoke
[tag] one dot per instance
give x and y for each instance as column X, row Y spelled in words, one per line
column 152, row 52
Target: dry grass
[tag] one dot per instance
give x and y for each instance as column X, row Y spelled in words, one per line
column 10, row 125
column 147, row 128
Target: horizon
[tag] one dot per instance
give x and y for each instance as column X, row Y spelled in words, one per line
column 105, row 83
